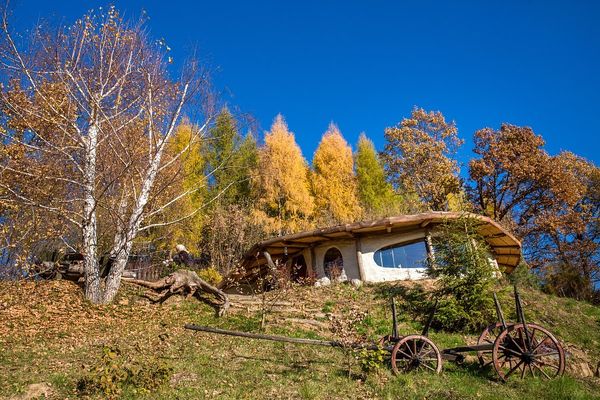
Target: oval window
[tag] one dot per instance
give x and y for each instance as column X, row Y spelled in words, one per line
column 411, row 255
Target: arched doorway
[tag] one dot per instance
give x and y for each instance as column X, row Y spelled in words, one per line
column 299, row 272
column 333, row 263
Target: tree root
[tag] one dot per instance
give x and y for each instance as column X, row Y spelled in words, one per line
column 186, row 283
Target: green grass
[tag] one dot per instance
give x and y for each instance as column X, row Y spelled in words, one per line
column 49, row 334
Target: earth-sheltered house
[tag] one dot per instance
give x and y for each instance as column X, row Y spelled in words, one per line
column 393, row 248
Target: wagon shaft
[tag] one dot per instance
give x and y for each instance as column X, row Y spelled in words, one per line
column 276, row 338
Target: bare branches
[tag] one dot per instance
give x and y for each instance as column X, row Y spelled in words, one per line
column 90, row 111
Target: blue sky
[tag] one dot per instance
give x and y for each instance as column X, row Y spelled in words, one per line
column 365, row 64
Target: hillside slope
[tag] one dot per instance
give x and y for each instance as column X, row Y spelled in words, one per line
column 49, row 335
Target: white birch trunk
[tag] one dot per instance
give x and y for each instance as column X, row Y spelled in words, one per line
column 90, row 239
column 122, row 246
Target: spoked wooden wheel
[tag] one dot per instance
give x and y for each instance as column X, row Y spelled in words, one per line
column 488, row 336
column 416, row 353
column 536, row 353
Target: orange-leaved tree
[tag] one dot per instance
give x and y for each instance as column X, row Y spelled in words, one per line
column 333, row 182
column 551, row 202
column 282, row 185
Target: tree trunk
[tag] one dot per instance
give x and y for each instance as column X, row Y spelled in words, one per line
column 90, row 239
column 125, row 241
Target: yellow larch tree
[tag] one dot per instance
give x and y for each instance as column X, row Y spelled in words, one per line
column 333, row 182
column 284, row 200
column 185, row 174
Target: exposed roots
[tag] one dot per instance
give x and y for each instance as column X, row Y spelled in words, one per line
column 185, row 283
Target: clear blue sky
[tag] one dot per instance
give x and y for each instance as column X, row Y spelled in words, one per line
column 364, row 65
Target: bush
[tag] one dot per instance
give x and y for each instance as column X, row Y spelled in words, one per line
column 370, row 360
column 465, row 277
column 523, row 277
column 210, row 275
column 114, row 371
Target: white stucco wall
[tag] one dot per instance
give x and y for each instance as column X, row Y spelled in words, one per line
column 367, row 247
column 348, row 250
column 375, row 273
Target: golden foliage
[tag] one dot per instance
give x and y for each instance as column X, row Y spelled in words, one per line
column 184, row 175
column 333, row 181
column 282, row 186
column 418, row 157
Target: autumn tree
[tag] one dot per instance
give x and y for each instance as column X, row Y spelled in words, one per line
column 186, row 175
column 92, row 108
column 551, row 202
column 333, row 181
column 376, row 194
column 512, row 169
column 418, row 157
column 282, row 185
column 562, row 239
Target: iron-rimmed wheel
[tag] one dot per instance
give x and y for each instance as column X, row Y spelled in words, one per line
column 414, row 353
column 488, row 336
column 535, row 352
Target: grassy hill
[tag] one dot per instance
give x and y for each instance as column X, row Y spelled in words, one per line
column 51, row 337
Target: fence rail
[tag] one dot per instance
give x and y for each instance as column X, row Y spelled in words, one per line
column 148, row 267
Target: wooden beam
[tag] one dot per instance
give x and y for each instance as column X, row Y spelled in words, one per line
column 290, row 244
column 495, row 236
column 270, row 262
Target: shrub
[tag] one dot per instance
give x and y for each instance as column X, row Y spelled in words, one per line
column 370, row 360
column 465, row 277
column 523, row 277
column 210, row 275
column 114, row 371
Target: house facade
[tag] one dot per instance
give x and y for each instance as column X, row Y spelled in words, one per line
column 394, row 248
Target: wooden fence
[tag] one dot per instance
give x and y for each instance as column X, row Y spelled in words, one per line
column 148, row 267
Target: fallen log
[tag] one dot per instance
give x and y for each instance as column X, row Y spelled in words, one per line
column 186, row 283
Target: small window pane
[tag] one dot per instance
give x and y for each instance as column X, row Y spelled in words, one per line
column 387, row 259
column 399, row 256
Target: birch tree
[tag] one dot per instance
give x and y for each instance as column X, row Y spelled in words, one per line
column 91, row 107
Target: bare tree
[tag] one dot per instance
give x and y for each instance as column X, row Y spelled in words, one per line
column 90, row 109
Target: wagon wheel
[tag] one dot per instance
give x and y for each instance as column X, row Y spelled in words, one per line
column 488, row 336
column 545, row 357
column 416, row 352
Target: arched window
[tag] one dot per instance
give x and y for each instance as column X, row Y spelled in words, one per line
column 404, row 255
column 333, row 263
